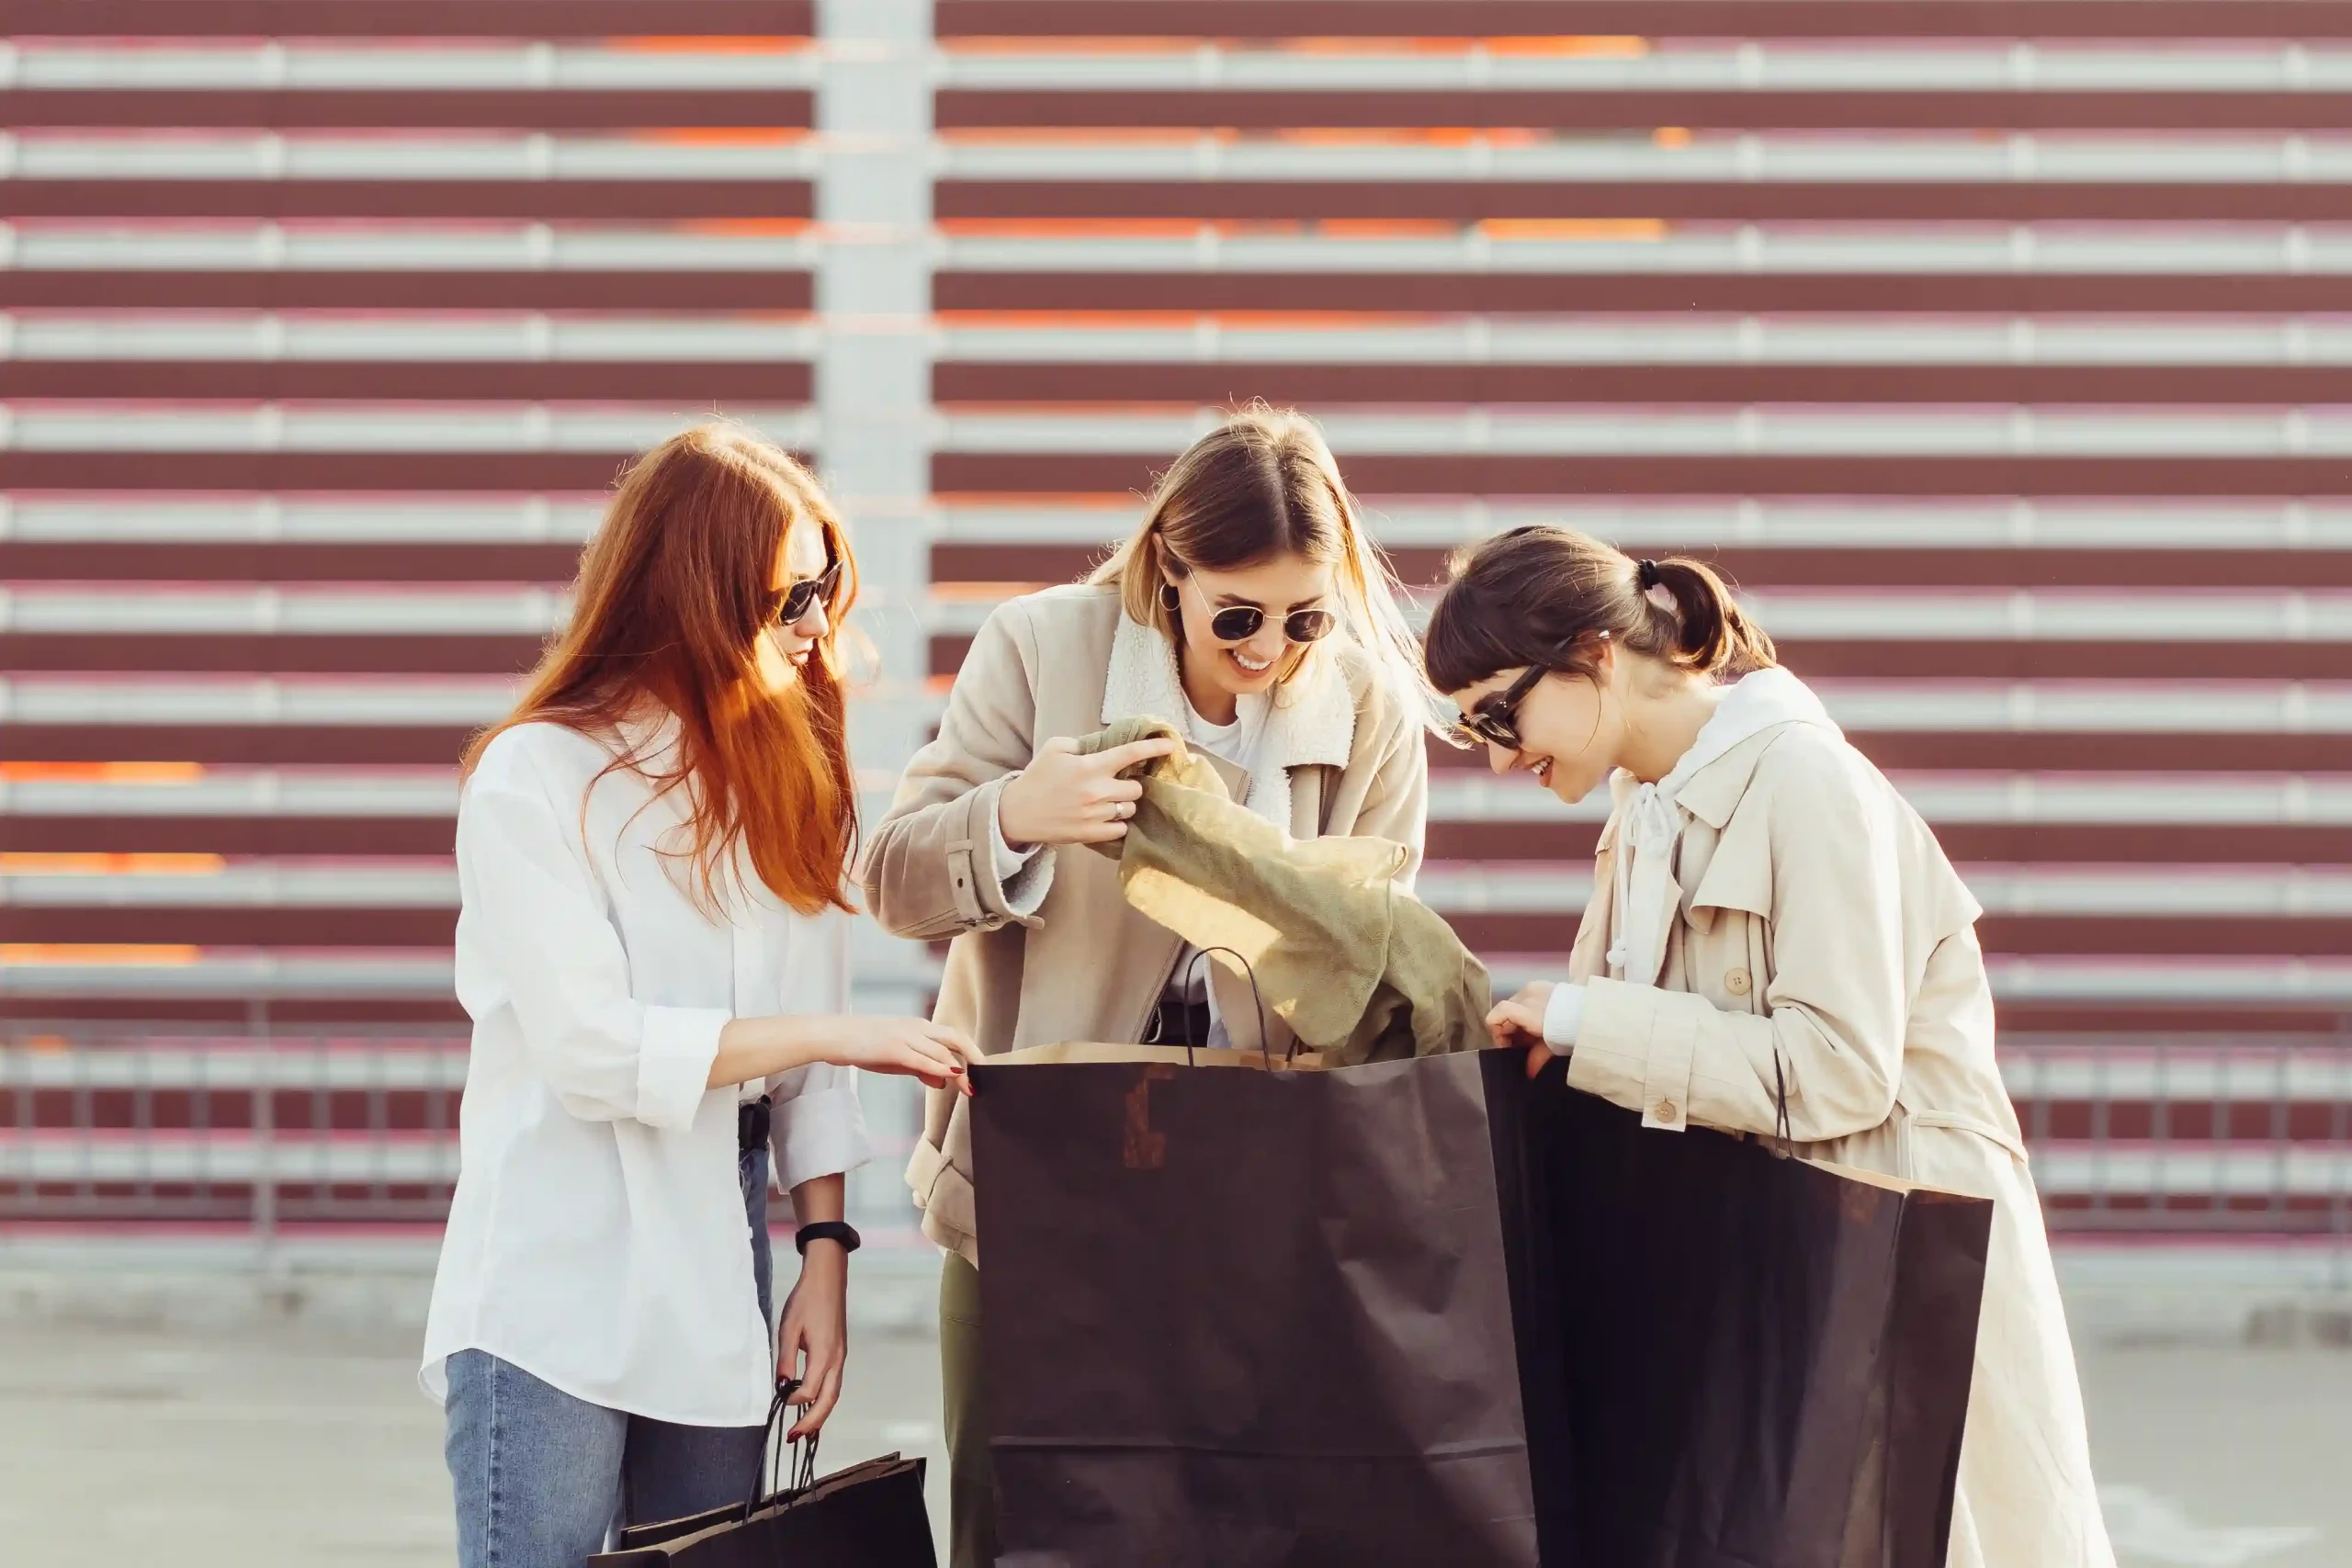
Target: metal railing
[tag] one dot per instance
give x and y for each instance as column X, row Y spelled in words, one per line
column 269, row 1134
column 265, row 1132
column 2183, row 1137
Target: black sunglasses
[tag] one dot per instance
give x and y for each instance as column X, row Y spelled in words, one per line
column 1496, row 718
column 802, row 596
column 1239, row 623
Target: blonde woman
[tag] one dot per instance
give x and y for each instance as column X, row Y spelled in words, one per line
column 1250, row 612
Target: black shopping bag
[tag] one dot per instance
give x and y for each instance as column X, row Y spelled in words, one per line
column 1760, row 1361
column 1236, row 1316
column 870, row 1515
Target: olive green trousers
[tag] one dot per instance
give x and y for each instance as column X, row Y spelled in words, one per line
column 971, row 1483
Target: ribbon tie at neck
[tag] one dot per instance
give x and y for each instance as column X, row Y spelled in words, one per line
column 1646, row 894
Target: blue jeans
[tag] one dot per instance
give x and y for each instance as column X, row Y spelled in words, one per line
column 541, row 1476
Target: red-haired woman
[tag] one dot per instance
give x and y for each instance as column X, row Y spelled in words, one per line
column 651, row 941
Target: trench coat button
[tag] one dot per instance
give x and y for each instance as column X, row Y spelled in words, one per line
column 1667, row 1111
column 1736, row 982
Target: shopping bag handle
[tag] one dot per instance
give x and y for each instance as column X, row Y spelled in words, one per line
column 1780, row 1107
column 803, row 1474
column 1265, row 1041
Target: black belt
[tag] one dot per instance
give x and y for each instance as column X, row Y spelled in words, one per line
column 1175, row 1022
column 752, row 1119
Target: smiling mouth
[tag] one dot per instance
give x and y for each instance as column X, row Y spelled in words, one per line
column 1543, row 772
column 1243, row 660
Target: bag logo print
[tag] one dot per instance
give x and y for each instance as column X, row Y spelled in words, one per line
column 1143, row 1149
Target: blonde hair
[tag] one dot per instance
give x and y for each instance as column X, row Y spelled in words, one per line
column 1261, row 484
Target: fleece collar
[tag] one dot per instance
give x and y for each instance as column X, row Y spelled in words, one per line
column 1311, row 724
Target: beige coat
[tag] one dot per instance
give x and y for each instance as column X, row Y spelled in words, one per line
column 1341, row 752
column 1815, row 919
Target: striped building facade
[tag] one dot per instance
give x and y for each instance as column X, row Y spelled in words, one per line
column 1998, row 351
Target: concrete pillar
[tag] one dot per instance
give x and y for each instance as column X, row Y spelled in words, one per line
column 874, row 411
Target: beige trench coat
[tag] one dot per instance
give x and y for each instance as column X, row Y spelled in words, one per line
column 1817, row 919
column 1343, row 755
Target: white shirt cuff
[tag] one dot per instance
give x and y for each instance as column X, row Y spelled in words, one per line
column 1023, row 875
column 1564, row 1015
column 817, row 1135
column 1009, row 861
column 673, row 1060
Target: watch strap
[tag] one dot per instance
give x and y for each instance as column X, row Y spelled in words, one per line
column 827, row 1230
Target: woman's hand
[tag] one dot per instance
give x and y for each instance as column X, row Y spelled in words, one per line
column 1519, row 1021
column 1064, row 798
column 908, row 1047
column 813, row 1343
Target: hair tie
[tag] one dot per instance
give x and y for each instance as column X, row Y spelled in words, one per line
column 1653, row 588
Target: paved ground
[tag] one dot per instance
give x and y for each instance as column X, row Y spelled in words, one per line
column 204, row 1450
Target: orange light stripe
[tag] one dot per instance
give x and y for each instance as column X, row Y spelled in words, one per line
column 1410, row 136
column 747, row 226
column 169, row 954
column 101, row 773
column 1614, row 46
column 1671, row 136
column 1073, row 227
column 1573, row 228
column 28, row 862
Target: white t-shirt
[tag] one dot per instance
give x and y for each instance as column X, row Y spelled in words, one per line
column 1237, row 743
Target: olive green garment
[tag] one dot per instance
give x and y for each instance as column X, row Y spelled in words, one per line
column 1358, row 970
column 971, row 1486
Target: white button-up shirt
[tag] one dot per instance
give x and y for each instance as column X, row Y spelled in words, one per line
column 597, row 1238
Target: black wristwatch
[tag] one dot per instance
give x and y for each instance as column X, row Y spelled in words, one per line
column 827, row 1230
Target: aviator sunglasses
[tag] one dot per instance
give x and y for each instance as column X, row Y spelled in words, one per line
column 802, row 596
column 1239, row 623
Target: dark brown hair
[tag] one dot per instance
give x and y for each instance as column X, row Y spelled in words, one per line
column 1550, row 596
column 1264, row 483
column 673, row 594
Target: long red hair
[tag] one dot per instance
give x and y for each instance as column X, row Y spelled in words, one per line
column 673, row 598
